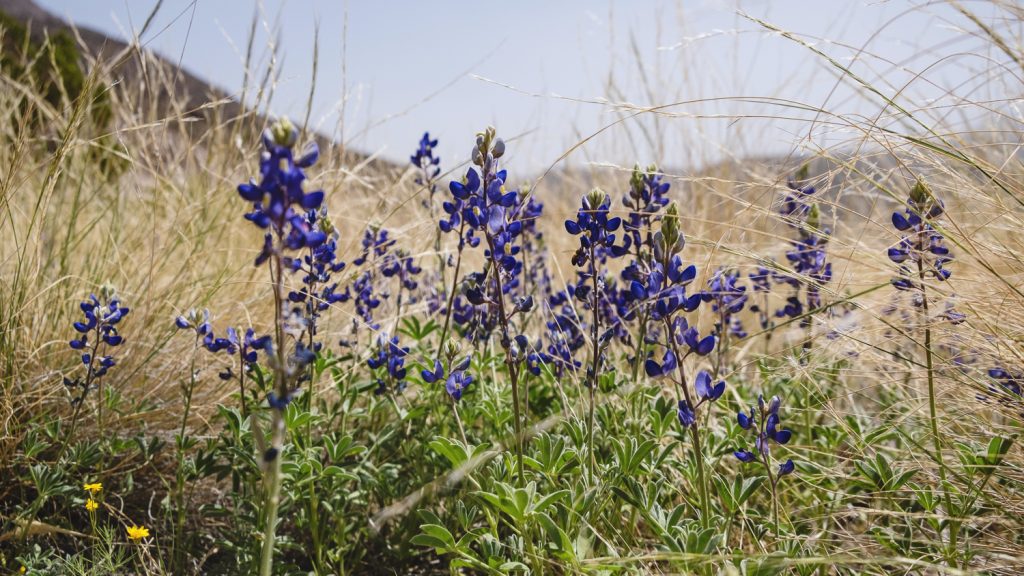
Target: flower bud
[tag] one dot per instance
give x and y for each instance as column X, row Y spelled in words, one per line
column 595, row 198
column 636, row 181
column 283, row 133
column 814, row 217
column 108, row 292
column 672, row 237
column 452, row 348
column 920, row 194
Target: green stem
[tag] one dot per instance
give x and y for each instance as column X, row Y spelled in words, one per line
column 179, row 486
column 595, row 363
column 277, row 434
column 954, row 527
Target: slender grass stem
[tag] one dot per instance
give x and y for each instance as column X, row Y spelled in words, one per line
column 451, row 293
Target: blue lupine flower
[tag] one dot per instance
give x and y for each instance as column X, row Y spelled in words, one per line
column 376, row 244
column 427, row 163
column 317, row 267
column 483, row 205
column 97, row 335
column 388, row 362
column 728, row 298
column 647, row 196
column 246, row 349
column 595, row 228
column 199, row 323
column 279, row 200
column 691, row 337
column 808, row 257
column 745, row 456
column 687, row 416
column 921, row 242
column 400, row 264
column 765, row 422
column 921, row 252
column 705, row 389
column 458, row 378
column 786, row 467
column 457, row 382
column 565, row 335
column 665, row 367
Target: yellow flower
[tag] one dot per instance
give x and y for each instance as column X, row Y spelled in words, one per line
column 93, row 488
column 137, row 532
column 23, row 570
column 91, row 505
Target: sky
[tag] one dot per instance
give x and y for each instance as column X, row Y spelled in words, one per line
column 547, row 73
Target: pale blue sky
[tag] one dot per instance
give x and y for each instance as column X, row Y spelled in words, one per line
column 415, row 66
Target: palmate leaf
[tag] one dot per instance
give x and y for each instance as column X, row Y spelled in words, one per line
column 416, row 330
column 435, row 536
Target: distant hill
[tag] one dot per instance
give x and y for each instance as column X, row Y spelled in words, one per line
column 170, row 92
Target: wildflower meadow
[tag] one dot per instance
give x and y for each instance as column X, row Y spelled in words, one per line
column 232, row 345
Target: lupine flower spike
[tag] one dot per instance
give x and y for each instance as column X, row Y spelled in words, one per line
column 280, row 208
column 596, row 230
column 766, row 424
column 97, row 337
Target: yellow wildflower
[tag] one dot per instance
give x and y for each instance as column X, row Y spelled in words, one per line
column 91, row 505
column 137, row 532
column 93, row 488
column 23, row 570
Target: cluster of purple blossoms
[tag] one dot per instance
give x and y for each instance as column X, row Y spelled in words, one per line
column 317, row 267
column 428, row 164
column 596, row 230
column 565, row 335
column 482, row 207
column 920, row 244
column 388, row 362
column 279, row 201
column 399, row 264
column 663, row 288
column 765, row 422
column 727, row 298
column 376, row 243
column 808, row 255
column 98, row 334
column 199, row 323
column 282, row 206
column 648, row 194
column 761, row 283
column 456, row 378
column 245, row 348
column 534, row 275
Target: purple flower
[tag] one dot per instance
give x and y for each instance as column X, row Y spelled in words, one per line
column 707, row 391
column 687, row 417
